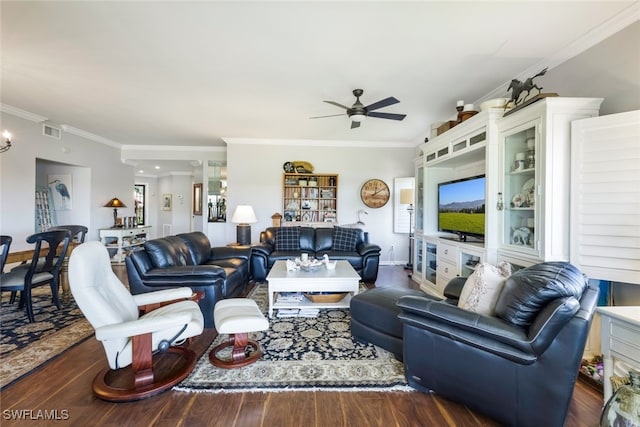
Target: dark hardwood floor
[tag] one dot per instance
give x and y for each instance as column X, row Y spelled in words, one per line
column 64, row 385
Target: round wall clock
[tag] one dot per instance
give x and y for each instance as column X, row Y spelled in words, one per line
column 375, row 193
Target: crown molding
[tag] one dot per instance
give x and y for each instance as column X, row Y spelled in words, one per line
column 318, row 143
column 181, row 148
column 622, row 20
column 5, row 108
column 90, row 136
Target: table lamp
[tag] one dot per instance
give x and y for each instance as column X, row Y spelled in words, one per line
column 243, row 216
column 115, row 203
column 406, row 198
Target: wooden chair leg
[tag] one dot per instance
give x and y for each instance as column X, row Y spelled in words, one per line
column 26, row 296
column 142, row 360
column 54, row 293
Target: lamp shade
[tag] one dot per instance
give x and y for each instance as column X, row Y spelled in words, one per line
column 406, row 196
column 115, row 203
column 244, row 215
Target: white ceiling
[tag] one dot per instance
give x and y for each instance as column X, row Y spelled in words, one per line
column 191, row 73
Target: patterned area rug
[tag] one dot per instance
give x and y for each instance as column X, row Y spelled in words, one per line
column 302, row 354
column 24, row 346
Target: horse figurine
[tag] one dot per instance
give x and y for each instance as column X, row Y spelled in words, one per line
column 517, row 88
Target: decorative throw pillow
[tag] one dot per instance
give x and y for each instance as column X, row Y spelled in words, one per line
column 288, row 239
column 344, row 239
column 482, row 288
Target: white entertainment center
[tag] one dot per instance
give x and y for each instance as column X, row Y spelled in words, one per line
column 525, row 157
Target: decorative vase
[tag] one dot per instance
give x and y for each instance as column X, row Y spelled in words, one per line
column 623, row 408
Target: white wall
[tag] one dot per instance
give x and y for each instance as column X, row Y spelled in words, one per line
column 80, row 189
column 255, row 178
column 180, row 187
column 108, row 178
column 610, row 69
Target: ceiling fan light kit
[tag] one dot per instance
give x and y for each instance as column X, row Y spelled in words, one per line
column 358, row 117
column 358, row 112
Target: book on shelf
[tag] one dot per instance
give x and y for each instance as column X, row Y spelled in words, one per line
column 327, row 193
column 297, row 312
column 287, row 312
column 290, row 297
column 308, row 312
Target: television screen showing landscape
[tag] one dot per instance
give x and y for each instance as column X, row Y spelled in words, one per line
column 461, row 206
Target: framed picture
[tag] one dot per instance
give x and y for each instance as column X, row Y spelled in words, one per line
column 167, row 201
column 197, row 199
column 61, row 191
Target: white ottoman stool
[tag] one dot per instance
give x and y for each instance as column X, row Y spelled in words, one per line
column 237, row 317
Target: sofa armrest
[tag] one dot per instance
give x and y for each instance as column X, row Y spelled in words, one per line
column 185, row 274
column 226, row 252
column 143, row 325
column 262, row 249
column 164, row 295
column 368, row 249
column 490, row 334
column 453, row 289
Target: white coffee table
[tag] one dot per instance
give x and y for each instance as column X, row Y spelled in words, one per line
column 342, row 279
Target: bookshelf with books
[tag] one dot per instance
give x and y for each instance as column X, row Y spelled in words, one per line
column 309, row 198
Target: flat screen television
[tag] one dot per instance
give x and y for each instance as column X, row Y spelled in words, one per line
column 461, row 207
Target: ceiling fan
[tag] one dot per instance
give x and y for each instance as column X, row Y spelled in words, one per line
column 358, row 112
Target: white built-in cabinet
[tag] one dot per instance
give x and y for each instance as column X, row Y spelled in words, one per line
column 526, row 158
column 534, row 223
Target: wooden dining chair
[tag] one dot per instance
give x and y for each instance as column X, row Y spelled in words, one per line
column 78, row 232
column 41, row 270
column 5, row 243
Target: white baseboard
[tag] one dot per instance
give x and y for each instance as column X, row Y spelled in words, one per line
column 392, row 263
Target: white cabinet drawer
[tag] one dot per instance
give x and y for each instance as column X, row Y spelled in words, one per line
column 626, row 350
column 625, row 333
column 448, row 252
column 446, row 270
column 624, row 341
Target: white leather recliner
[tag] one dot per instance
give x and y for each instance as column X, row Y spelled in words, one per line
column 130, row 341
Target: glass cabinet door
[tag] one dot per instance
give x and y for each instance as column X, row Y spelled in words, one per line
column 420, row 198
column 418, row 256
column 519, row 196
column 468, row 262
column 430, row 265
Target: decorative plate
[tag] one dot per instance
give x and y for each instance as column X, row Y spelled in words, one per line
column 529, row 192
column 517, row 200
column 288, row 167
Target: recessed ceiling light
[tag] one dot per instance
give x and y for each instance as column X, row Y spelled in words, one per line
column 140, row 171
column 157, row 167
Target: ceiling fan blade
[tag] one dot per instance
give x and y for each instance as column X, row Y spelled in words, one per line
column 382, row 103
column 337, row 104
column 391, row 116
column 331, row 115
column 355, row 125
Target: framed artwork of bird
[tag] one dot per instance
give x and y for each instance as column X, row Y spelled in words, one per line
column 61, row 190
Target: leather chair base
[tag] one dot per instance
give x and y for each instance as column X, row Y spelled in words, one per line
column 245, row 352
column 374, row 318
column 118, row 385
